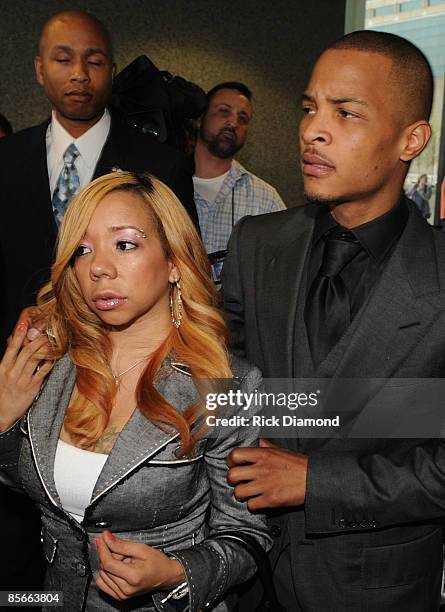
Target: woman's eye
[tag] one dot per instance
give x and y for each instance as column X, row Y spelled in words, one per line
column 308, row 110
column 82, row 250
column 126, row 245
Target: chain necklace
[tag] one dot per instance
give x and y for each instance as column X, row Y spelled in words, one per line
column 118, row 377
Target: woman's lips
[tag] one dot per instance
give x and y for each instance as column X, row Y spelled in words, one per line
column 108, row 303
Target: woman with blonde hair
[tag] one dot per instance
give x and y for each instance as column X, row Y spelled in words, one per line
column 132, row 499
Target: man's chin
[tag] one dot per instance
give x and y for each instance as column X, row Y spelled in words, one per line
column 224, row 149
column 321, row 199
column 82, row 116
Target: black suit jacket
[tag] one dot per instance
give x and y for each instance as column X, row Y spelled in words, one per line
column 369, row 536
column 28, row 229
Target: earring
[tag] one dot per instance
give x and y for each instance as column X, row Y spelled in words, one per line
column 176, row 319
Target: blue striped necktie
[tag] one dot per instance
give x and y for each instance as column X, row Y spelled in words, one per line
column 68, row 183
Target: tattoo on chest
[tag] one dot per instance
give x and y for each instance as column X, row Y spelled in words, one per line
column 106, row 442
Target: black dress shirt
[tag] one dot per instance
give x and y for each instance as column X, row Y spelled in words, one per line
column 377, row 238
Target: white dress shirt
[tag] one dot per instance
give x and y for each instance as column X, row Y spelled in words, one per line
column 89, row 145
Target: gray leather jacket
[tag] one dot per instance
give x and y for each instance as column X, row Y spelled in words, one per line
column 144, row 493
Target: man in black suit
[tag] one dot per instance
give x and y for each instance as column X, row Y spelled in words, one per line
column 349, row 286
column 75, row 67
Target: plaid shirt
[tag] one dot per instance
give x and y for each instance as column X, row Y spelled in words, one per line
column 251, row 196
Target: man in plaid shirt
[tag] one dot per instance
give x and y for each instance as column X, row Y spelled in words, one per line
column 224, row 190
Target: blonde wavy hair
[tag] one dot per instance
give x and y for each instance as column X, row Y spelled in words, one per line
column 200, row 341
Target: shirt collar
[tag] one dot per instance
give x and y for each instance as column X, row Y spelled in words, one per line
column 88, row 144
column 237, row 170
column 376, row 237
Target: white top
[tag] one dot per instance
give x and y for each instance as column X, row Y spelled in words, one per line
column 75, row 474
column 209, row 188
column 89, row 145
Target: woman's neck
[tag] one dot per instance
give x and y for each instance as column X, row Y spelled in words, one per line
column 136, row 342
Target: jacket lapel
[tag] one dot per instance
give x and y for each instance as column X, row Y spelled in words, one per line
column 110, row 159
column 277, row 284
column 39, row 212
column 45, row 420
column 138, row 441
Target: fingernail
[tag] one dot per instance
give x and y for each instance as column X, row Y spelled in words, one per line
column 22, row 326
column 49, row 344
column 97, row 541
column 33, row 333
column 110, row 535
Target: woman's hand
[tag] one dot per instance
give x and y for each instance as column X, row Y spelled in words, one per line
column 130, row 568
column 33, row 317
column 22, row 372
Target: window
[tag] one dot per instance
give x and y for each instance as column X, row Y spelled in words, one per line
column 412, row 5
column 382, row 11
column 426, row 29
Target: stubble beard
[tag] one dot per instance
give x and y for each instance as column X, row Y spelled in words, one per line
column 321, row 199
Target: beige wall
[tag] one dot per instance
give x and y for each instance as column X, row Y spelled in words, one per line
column 268, row 44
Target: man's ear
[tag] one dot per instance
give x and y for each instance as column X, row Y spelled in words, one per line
column 416, row 137
column 38, row 69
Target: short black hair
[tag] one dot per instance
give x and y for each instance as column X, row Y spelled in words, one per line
column 83, row 15
column 411, row 73
column 243, row 89
column 5, row 126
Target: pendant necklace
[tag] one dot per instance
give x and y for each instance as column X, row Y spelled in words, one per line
column 118, row 377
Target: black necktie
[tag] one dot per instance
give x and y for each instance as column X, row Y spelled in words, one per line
column 328, row 309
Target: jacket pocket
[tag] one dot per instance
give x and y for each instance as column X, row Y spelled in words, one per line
column 398, row 564
column 49, row 545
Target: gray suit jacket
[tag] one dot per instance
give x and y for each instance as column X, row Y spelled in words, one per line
column 144, row 493
column 374, row 508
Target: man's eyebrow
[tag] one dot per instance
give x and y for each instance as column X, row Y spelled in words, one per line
column 62, row 48
column 307, row 98
column 89, row 51
column 342, row 100
column 345, row 100
column 94, row 50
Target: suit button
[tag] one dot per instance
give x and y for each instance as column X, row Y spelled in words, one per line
column 79, row 568
column 275, row 530
column 102, row 524
column 342, row 523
